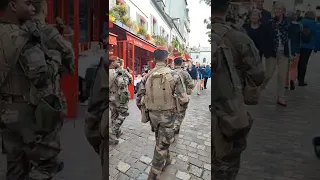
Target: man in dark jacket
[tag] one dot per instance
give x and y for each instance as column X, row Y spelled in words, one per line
column 265, row 15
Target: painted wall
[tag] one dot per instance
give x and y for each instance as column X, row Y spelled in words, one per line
column 203, row 57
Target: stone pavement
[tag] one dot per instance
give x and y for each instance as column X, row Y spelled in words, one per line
column 131, row 159
column 279, row 145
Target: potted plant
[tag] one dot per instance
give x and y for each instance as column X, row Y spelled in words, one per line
column 142, row 32
column 159, row 40
column 126, row 22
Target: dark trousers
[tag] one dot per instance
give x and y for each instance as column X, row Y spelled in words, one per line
column 205, row 82
column 303, row 62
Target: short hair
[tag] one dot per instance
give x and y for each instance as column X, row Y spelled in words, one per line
column 178, row 61
column 220, row 6
column 160, row 55
column 38, row 5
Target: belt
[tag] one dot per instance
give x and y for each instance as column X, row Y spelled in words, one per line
column 13, row 98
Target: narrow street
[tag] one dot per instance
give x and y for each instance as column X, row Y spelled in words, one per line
column 279, row 145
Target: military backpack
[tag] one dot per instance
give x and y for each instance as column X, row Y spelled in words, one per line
column 159, row 90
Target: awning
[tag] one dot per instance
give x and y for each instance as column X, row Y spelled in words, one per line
column 187, row 56
column 112, row 39
column 140, row 43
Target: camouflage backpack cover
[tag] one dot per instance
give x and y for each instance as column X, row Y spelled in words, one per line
column 227, row 100
column 159, row 90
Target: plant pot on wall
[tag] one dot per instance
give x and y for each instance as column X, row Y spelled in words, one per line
column 122, row 25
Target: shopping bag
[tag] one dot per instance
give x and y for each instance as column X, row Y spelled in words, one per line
column 202, row 84
column 292, row 71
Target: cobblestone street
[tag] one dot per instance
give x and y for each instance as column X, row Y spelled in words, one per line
column 279, row 145
column 191, row 150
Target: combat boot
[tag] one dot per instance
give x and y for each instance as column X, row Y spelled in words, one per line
column 113, row 141
column 177, row 131
column 118, row 134
column 153, row 176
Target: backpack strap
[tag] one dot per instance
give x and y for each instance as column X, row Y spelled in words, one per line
column 21, row 41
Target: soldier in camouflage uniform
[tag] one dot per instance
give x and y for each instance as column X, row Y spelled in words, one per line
column 235, row 59
column 188, row 85
column 27, row 94
column 51, row 38
column 119, row 79
column 97, row 119
column 161, row 94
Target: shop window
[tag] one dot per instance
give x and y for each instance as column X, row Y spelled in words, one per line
column 204, row 60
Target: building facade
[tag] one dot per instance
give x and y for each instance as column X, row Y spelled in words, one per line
column 201, row 55
column 166, row 18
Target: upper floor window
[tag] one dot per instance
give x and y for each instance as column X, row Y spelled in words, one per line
column 142, row 21
column 154, row 26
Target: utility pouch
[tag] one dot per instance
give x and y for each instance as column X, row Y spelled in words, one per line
column 124, row 97
column 48, row 114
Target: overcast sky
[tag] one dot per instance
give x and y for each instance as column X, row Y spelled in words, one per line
column 198, row 12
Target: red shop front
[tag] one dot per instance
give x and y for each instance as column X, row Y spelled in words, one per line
column 85, row 18
column 136, row 52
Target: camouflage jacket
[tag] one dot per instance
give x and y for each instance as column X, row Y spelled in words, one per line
column 119, row 80
column 179, row 89
column 186, row 78
column 98, row 105
column 24, row 43
column 245, row 54
column 52, row 39
column 231, row 117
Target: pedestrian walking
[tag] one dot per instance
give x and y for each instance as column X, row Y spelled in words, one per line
column 227, row 101
column 294, row 34
column 254, row 29
column 28, row 96
column 276, row 50
column 188, row 86
column 265, row 15
column 308, row 35
column 159, row 105
column 206, row 75
column 195, row 75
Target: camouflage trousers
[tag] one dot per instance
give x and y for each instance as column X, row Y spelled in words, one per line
column 104, row 157
column 180, row 117
column 36, row 160
column 119, row 112
column 226, row 159
column 162, row 123
column 37, row 163
column 227, row 167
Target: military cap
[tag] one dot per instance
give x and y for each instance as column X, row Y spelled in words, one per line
column 178, row 60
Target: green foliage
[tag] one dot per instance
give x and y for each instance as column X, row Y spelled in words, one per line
column 120, row 9
column 208, row 21
column 142, row 31
column 160, row 41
